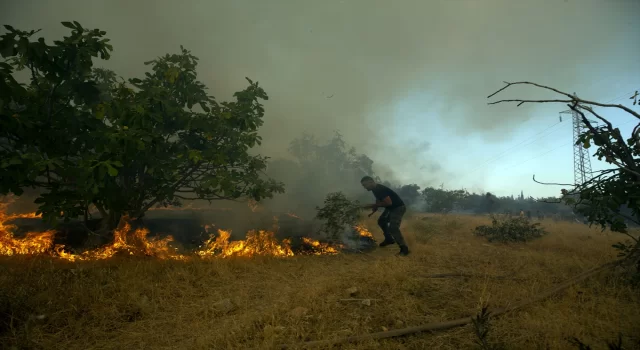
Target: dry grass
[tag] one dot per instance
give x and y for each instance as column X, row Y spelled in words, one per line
column 149, row 304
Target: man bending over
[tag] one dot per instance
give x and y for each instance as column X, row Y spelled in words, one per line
column 391, row 218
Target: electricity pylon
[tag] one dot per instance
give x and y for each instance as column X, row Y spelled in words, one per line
column 581, row 161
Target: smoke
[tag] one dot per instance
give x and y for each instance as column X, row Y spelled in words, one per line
column 348, row 65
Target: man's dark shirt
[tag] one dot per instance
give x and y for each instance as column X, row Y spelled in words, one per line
column 381, row 192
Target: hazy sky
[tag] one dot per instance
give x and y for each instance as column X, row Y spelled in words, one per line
column 404, row 81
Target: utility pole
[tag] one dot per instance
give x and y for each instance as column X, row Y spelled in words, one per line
column 581, row 161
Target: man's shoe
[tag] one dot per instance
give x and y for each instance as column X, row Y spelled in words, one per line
column 404, row 250
column 386, row 243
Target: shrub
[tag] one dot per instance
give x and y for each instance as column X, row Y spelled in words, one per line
column 339, row 214
column 518, row 229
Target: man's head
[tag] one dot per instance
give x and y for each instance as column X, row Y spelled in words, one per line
column 368, row 183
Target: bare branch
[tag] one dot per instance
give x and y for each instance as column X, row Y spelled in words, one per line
column 521, row 102
column 636, row 133
column 550, row 183
column 534, row 84
column 572, row 98
column 590, row 110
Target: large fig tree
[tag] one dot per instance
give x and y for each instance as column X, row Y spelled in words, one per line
column 86, row 138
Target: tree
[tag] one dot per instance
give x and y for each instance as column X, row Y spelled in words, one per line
column 85, row 138
column 603, row 198
column 410, row 194
column 330, row 159
column 489, row 202
column 442, row 201
column 318, row 168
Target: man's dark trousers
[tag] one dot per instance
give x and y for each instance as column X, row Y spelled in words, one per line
column 389, row 222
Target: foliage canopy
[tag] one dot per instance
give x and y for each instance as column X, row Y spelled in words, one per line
column 85, row 138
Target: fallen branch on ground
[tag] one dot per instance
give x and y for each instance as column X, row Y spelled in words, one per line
column 469, row 275
column 435, row 326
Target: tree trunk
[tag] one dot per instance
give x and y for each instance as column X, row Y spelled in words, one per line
column 86, row 216
column 114, row 219
column 109, row 220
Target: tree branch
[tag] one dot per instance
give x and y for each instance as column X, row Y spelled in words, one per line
column 550, row 183
column 173, row 187
column 521, row 102
column 626, row 156
column 571, row 98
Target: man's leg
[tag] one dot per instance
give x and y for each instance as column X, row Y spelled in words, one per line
column 395, row 219
column 383, row 222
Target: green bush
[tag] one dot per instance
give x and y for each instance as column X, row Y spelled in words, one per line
column 339, row 214
column 518, row 229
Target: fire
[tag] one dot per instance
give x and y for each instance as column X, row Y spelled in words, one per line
column 319, row 248
column 128, row 242
column 135, row 242
column 257, row 243
column 362, row 231
column 32, row 243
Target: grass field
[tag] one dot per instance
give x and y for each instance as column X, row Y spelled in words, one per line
column 132, row 303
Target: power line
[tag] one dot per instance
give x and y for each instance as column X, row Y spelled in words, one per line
column 551, row 150
column 626, row 94
column 538, row 156
column 500, row 155
column 621, row 96
column 528, row 138
column 505, row 152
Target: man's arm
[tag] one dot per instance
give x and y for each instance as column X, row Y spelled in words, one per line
column 380, row 204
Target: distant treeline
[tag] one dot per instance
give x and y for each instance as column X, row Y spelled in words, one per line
column 439, row 200
column 316, row 168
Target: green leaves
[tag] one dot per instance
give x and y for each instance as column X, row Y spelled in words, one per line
column 69, row 25
column 195, row 156
column 339, row 214
column 443, row 201
column 172, row 74
column 126, row 146
column 110, row 166
column 518, row 229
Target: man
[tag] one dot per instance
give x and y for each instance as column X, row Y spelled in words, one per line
column 391, row 218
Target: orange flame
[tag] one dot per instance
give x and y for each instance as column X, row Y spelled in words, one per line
column 257, row 243
column 32, row 243
column 128, row 241
column 362, row 231
column 319, row 248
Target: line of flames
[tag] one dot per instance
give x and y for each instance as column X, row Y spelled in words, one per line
column 128, row 241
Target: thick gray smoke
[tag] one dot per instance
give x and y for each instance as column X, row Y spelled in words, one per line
column 348, row 65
